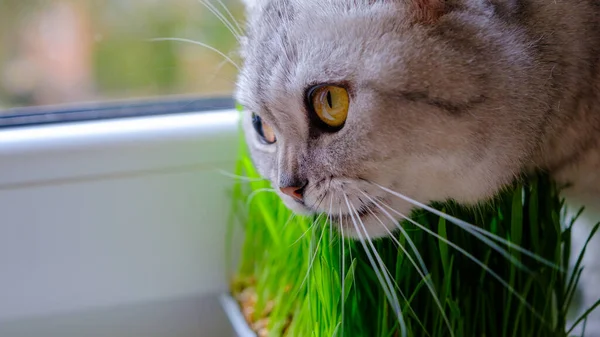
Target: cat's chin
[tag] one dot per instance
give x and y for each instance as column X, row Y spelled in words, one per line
column 296, row 207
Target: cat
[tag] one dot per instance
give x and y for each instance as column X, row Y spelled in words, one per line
column 433, row 99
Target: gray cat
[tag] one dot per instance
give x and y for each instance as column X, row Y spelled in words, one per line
column 349, row 100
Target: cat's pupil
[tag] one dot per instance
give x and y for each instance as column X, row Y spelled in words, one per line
column 257, row 124
column 329, row 100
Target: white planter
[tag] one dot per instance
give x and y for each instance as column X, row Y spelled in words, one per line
column 232, row 309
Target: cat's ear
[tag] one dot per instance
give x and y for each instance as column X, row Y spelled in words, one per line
column 426, row 11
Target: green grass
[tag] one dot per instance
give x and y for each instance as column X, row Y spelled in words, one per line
column 305, row 280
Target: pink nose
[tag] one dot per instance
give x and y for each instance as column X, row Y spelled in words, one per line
column 294, row 192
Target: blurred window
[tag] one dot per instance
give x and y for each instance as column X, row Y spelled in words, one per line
column 84, row 58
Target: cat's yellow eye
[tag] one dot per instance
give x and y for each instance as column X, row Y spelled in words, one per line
column 330, row 103
column 268, row 133
column 263, row 129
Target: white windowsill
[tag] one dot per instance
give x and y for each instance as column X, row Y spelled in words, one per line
column 111, row 214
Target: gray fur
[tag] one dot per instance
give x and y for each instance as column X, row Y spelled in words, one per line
column 452, row 108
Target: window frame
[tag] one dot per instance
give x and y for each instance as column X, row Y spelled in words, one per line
column 108, row 110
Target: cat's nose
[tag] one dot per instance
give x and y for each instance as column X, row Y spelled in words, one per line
column 294, row 192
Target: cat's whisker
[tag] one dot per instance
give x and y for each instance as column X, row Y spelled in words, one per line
column 330, row 210
column 396, row 286
column 329, row 222
column 318, row 203
column 233, row 19
column 424, row 278
column 341, row 224
column 384, row 279
column 342, row 263
column 215, row 11
column 308, row 229
column 289, row 220
column 256, row 192
column 422, row 269
column 474, row 259
column 331, row 231
column 511, row 245
column 402, row 230
column 176, row 39
column 213, row 76
column 485, row 240
column 316, row 206
column 314, row 255
column 238, row 177
column 479, row 233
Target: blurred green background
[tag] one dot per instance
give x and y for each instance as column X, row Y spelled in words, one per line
column 68, row 51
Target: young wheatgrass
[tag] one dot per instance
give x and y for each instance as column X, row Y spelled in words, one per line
column 290, row 280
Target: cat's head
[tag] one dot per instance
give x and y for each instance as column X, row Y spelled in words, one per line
column 433, row 99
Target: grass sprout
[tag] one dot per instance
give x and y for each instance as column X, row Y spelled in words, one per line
column 296, row 277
